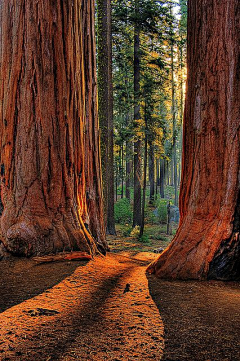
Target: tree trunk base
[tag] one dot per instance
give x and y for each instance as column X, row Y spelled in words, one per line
column 41, row 237
column 179, row 261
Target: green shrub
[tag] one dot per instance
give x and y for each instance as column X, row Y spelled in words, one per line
column 144, row 239
column 150, row 217
column 127, row 231
column 159, row 237
column 123, row 212
column 162, row 210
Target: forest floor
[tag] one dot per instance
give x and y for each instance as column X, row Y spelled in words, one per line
column 109, row 309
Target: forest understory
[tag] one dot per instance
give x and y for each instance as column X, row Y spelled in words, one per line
column 109, row 309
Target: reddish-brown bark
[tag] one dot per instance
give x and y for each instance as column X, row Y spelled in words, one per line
column 207, row 243
column 50, row 178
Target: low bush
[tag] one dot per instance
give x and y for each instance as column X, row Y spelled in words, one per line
column 123, row 211
column 162, row 210
column 144, row 239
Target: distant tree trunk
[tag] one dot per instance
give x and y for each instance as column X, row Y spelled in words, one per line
column 144, row 182
column 162, row 177
column 169, row 224
column 137, row 144
column 122, row 171
column 103, row 93
column 167, row 172
column 157, row 178
column 110, row 207
column 151, row 168
column 181, row 108
column 137, row 184
column 128, row 168
column 50, row 169
column 116, row 184
column 174, row 139
column 105, row 106
column 172, row 172
column 207, row 243
column 158, row 171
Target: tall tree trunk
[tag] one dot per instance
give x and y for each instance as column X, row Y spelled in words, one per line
column 162, row 177
column 50, row 169
column 128, row 168
column 95, row 217
column 144, row 183
column 137, row 144
column 103, row 93
column 157, row 177
column 167, row 172
column 116, row 183
column 158, row 172
column 151, row 167
column 110, row 206
column 105, row 106
column 122, row 171
column 181, row 106
column 171, row 175
column 207, row 243
column 174, row 139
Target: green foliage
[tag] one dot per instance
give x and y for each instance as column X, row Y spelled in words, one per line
column 150, row 217
column 162, row 26
column 144, row 239
column 169, row 192
column 126, row 231
column 162, row 210
column 123, row 211
column 160, row 237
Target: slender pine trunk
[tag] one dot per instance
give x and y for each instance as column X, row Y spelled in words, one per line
column 174, row 138
column 162, row 177
column 137, row 144
column 144, row 182
column 151, row 172
column 128, row 168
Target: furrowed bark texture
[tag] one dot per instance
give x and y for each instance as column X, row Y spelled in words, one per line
column 207, row 243
column 105, row 102
column 103, row 93
column 50, row 170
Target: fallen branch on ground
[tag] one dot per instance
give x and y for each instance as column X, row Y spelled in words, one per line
column 73, row 256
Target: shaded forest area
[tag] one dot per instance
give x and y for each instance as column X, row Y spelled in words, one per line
column 147, row 60
column 119, row 140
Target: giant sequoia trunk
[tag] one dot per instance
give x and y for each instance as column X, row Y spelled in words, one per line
column 207, row 243
column 50, row 173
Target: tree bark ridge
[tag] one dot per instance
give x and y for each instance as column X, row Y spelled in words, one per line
column 47, row 92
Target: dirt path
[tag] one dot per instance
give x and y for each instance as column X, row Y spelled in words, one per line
column 96, row 320
column 80, row 311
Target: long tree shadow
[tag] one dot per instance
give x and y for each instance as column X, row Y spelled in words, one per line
column 201, row 319
column 21, row 279
column 87, row 319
